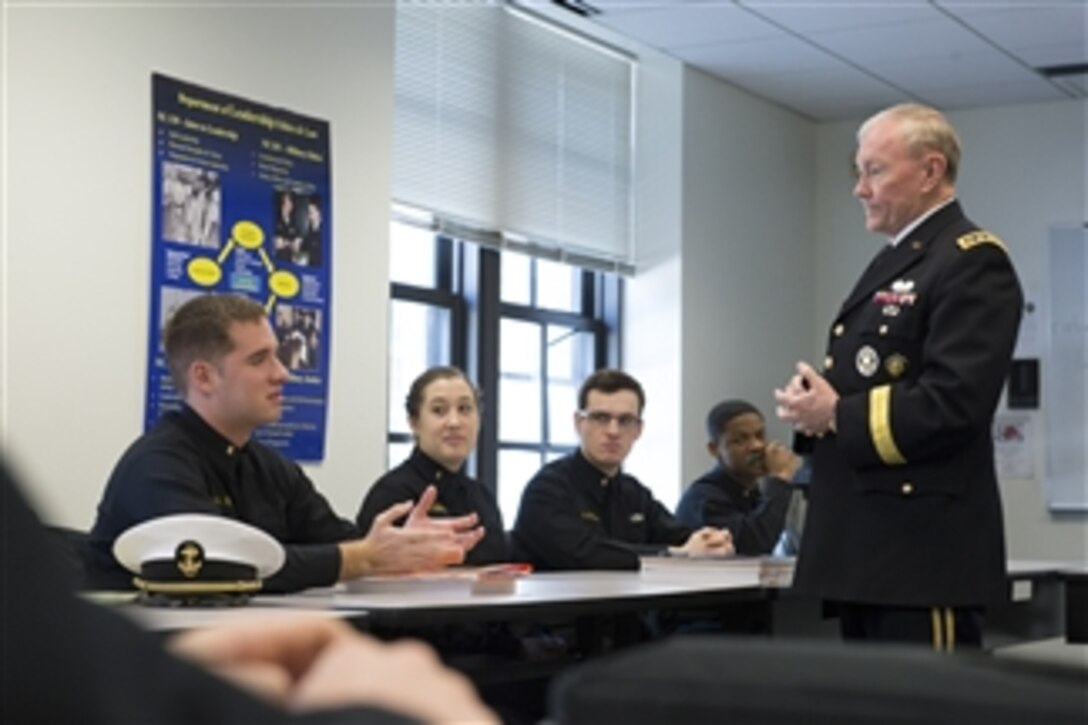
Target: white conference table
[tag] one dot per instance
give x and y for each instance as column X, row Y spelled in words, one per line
column 1054, row 651
column 1035, row 608
column 661, row 583
column 169, row 619
column 1035, row 588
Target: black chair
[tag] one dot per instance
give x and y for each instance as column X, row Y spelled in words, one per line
column 725, row 679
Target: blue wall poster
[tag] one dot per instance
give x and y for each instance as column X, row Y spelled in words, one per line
column 242, row 205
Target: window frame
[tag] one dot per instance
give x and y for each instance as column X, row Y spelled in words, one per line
column 468, row 284
column 445, row 295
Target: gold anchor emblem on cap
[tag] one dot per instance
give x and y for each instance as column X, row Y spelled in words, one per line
column 190, row 558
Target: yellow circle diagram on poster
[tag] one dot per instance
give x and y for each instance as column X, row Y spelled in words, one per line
column 205, row 272
column 283, row 284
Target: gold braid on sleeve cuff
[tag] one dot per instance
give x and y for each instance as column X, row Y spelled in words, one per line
column 880, row 425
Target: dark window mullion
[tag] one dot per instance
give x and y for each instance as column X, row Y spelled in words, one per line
column 444, row 263
column 487, row 359
column 533, row 299
column 552, row 317
column 459, row 334
column 543, row 389
column 589, row 306
column 609, row 316
column 425, row 295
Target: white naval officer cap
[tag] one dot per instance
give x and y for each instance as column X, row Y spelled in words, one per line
column 193, row 557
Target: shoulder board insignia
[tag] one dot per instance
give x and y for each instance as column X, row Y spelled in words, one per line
column 973, row 239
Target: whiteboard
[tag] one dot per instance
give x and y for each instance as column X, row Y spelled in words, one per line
column 1065, row 362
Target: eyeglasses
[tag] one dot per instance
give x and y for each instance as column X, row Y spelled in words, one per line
column 604, row 419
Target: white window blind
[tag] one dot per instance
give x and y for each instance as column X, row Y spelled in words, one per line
column 507, row 124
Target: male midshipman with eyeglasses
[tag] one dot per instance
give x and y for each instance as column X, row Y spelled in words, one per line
column 582, row 512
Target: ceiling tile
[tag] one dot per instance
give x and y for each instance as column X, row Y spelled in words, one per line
column 1029, row 27
column 688, row 25
column 1076, row 85
column 1042, row 56
column 991, row 94
column 783, row 54
column 833, row 59
column 904, row 41
column 970, row 6
column 955, row 69
column 823, row 94
column 610, row 7
column 619, row 6
column 821, row 15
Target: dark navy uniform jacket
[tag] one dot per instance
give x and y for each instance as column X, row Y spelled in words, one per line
column 573, row 516
column 904, row 507
column 182, row 465
column 457, row 495
column 66, row 660
column 754, row 517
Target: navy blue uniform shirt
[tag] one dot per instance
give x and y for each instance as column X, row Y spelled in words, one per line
column 754, row 517
column 182, row 465
column 573, row 516
column 457, row 495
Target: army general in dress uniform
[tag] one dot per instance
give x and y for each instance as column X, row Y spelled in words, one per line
column 904, row 530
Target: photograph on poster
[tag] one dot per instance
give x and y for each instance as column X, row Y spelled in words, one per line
column 191, row 205
column 298, row 228
column 298, row 330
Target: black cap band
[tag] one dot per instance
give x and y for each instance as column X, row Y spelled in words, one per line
column 166, row 570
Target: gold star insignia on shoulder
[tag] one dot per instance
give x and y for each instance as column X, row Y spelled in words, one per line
column 973, row 239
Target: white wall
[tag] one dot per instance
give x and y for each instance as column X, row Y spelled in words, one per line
column 747, row 284
column 653, row 309
column 77, row 224
column 718, row 307
column 1023, row 170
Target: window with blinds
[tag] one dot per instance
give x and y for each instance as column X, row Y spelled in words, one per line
column 507, row 124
